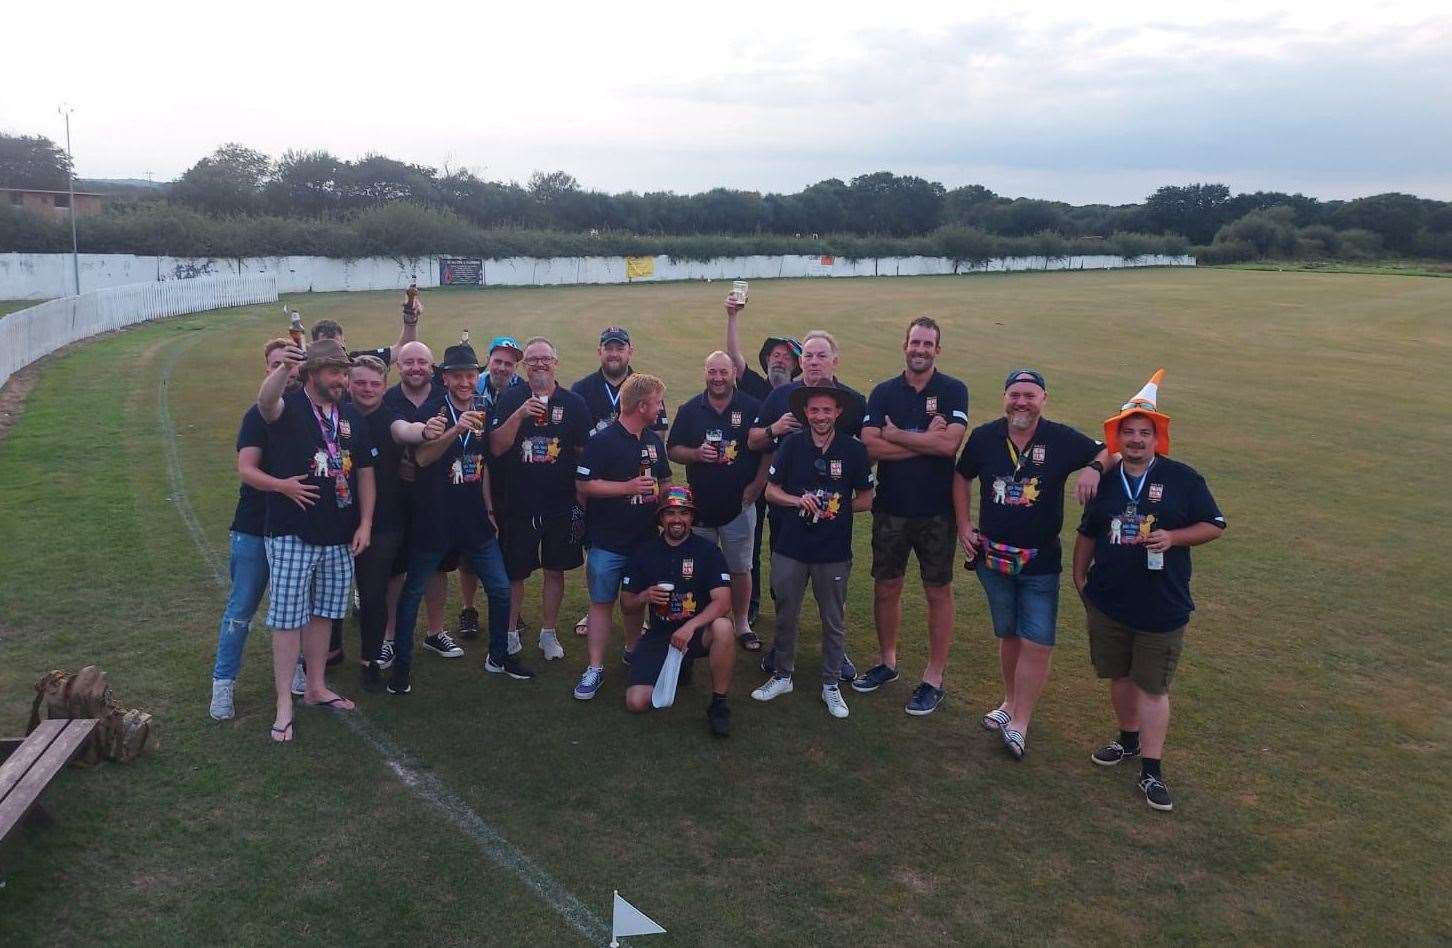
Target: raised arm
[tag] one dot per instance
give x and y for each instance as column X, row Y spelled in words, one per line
column 733, row 338
column 269, row 397
column 408, row 332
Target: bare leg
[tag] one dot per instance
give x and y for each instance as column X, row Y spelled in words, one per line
column 887, row 613
column 552, row 593
column 600, row 615
column 721, row 641
column 1028, row 683
column 740, row 600
column 637, row 698
column 940, row 632
column 468, row 586
column 1125, row 697
column 285, row 646
column 632, row 620
column 1154, row 723
column 1008, row 652
column 315, row 656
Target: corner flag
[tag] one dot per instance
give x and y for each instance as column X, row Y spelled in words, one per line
column 629, row 920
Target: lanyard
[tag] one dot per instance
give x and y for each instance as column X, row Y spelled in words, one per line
column 611, row 392
column 1133, row 495
column 464, row 438
column 328, row 424
column 1019, row 460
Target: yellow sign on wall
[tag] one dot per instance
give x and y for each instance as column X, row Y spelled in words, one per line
column 637, row 268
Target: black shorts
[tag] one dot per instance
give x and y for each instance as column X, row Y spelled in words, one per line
column 650, row 654
column 531, row 543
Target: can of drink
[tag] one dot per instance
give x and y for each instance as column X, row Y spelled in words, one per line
column 1154, row 559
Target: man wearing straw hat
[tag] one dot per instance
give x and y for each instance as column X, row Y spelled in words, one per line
column 1132, row 567
column 682, row 579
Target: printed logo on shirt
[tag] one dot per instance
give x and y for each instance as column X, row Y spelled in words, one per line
column 539, row 450
column 466, row 469
column 1015, row 493
column 1038, row 454
column 557, row 414
column 1156, row 493
column 688, row 568
column 736, row 419
column 932, row 405
column 1131, row 529
column 835, row 469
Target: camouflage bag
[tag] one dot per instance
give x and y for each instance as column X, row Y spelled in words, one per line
column 120, row 735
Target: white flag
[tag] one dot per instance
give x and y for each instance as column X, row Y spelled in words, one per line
column 664, row 693
column 629, row 920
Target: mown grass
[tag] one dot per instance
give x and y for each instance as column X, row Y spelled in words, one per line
column 1308, row 751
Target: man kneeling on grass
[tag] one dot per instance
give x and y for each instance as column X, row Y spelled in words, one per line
column 682, row 577
column 1137, row 535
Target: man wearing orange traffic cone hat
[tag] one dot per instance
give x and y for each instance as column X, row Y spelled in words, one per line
column 1132, row 567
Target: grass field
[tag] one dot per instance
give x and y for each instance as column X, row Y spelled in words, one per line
column 1308, row 752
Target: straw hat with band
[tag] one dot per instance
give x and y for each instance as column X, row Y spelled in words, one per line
column 1144, row 404
column 326, row 353
column 677, row 497
column 772, row 342
column 799, row 398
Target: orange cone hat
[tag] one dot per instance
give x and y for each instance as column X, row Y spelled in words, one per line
column 1145, row 403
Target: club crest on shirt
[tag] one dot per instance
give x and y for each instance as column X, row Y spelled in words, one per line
column 932, row 404
column 1038, row 454
column 557, row 414
column 1156, row 493
column 836, row 469
column 688, row 568
column 736, row 419
column 650, row 450
column 345, row 429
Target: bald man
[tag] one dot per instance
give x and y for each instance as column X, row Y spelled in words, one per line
column 709, row 436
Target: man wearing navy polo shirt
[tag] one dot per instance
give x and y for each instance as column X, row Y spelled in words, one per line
column 539, row 430
column 781, row 359
column 726, row 477
column 915, row 425
column 621, row 473
column 310, row 550
column 1132, row 568
column 819, row 478
column 820, row 362
column 452, row 512
column 1022, row 462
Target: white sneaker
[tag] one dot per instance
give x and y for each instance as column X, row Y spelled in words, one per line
column 775, row 687
column 832, row 698
column 221, row 709
column 299, row 680
column 549, row 643
column 515, row 646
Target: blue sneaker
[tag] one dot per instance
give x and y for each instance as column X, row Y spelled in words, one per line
column 925, row 700
column 849, row 670
column 590, row 683
column 874, row 678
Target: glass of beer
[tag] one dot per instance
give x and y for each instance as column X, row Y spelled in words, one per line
column 714, row 437
column 738, row 291
column 665, row 610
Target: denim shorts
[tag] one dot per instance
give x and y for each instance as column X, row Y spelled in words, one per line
column 1025, row 607
column 603, row 572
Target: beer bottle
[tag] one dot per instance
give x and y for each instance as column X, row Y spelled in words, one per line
column 295, row 328
column 410, row 306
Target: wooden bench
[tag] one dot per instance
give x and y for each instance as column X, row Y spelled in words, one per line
column 33, row 763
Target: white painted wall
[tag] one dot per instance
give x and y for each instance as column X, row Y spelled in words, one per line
column 38, row 276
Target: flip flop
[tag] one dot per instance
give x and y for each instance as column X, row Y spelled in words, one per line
column 750, row 641
column 333, row 704
column 1013, row 743
column 285, row 729
column 582, row 628
column 995, row 720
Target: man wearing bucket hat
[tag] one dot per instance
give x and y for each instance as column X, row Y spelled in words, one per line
column 310, row 549
column 781, row 359
column 1022, row 462
column 452, row 512
column 498, row 377
column 682, row 579
column 1132, row 568
column 820, row 476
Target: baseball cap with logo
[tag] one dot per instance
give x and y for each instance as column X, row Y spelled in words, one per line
column 506, row 342
column 1025, row 375
column 614, row 334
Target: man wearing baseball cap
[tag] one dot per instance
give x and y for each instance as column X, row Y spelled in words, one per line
column 310, row 548
column 1132, row 568
column 820, row 476
column 1022, row 462
column 681, row 578
column 781, row 359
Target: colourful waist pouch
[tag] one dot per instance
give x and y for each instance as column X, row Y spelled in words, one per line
column 1005, row 559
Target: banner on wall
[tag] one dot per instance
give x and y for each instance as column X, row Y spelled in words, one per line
column 461, row 271
column 638, row 268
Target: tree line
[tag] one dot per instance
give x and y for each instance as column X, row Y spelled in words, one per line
column 240, row 202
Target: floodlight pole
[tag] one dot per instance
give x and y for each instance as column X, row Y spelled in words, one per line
column 71, row 187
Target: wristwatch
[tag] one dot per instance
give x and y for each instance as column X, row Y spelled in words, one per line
column 1096, row 465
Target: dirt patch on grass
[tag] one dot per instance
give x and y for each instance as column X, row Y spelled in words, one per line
column 12, row 395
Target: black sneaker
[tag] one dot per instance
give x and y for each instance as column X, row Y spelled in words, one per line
column 469, row 624
column 874, row 678
column 399, row 686
column 1112, row 753
column 511, row 666
column 849, row 670
column 443, row 644
column 925, row 699
column 718, row 716
column 1156, row 794
column 385, row 655
column 372, row 678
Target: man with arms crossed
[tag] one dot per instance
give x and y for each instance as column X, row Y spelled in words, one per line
column 915, row 425
column 1132, row 568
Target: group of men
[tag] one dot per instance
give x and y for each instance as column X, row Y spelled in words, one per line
column 501, row 473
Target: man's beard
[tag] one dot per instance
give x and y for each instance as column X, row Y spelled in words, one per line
column 1021, row 420
column 677, row 531
column 778, row 376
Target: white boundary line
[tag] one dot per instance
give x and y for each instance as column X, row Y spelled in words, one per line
column 428, row 788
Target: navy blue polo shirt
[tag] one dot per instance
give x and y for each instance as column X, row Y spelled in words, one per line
column 695, row 568
column 838, row 474
column 1022, row 504
column 250, row 516
column 603, row 398
column 387, row 453
column 719, row 485
column 778, row 403
column 400, row 408
column 920, row 486
column 296, row 445
column 620, row 524
column 1121, row 585
column 538, row 471
column 449, row 508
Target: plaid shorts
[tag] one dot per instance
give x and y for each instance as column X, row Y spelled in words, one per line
column 306, row 581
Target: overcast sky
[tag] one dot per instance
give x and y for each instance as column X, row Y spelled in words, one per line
column 1073, row 101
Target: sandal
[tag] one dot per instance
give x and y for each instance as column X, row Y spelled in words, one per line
column 582, row 628
column 750, row 641
column 285, row 730
column 1013, row 743
column 333, row 704
column 995, row 720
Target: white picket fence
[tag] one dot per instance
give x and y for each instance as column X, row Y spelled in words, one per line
column 28, row 334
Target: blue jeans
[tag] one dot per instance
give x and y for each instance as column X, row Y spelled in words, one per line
column 1025, row 607
column 248, row 565
column 488, row 564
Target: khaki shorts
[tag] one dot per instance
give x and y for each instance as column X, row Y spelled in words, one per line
column 933, row 539
column 1146, row 658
